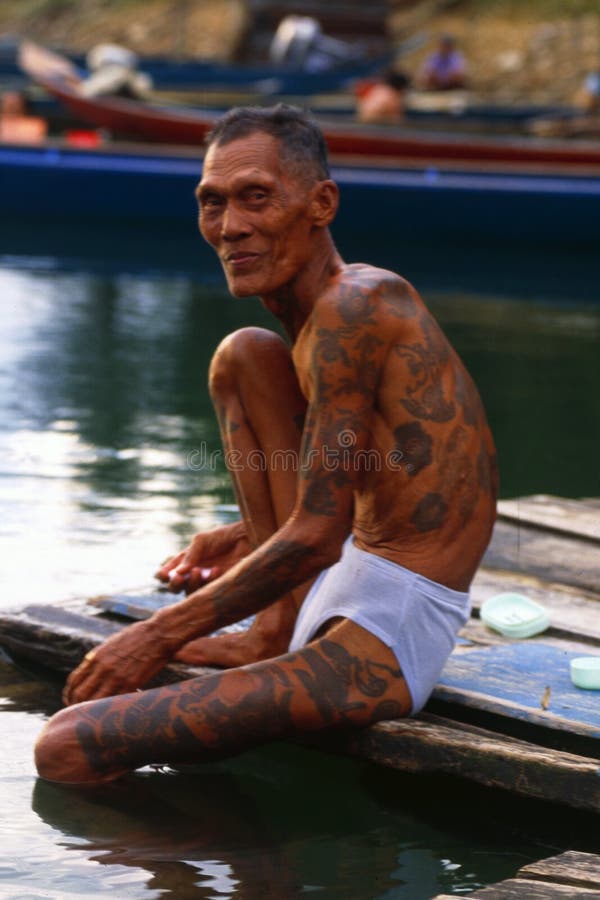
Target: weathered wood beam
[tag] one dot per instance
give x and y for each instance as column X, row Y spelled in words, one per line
column 571, row 874
column 418, row 746
column 518, row 547
column 59, row 639
column 575, row 518
column 523, row 889
column 572, row 867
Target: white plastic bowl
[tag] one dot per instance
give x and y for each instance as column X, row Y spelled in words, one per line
column 585, row 672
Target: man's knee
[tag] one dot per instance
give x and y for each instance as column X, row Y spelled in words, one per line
column 245, row 352
column 60, row 756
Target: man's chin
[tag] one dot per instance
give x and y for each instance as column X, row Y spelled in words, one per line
column 239, row 288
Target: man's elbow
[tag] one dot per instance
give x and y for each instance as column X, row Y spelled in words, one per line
column 323, row 542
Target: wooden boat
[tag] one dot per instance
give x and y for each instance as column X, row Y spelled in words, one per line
column 504, row 713
column 181, row 125
column 425, row 109
column 207, row 75
column 558, row 206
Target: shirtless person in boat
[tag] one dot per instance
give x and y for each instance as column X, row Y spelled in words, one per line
column 360, row 533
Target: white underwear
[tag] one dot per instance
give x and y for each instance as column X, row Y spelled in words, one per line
column 418, row 619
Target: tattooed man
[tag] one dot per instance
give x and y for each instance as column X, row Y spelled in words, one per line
column 365, row 474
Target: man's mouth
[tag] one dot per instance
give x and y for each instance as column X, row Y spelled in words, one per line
column 240, row 258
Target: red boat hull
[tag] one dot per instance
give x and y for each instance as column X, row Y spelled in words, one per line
column 133, row 119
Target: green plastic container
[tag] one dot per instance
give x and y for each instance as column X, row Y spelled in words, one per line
column 514, row 615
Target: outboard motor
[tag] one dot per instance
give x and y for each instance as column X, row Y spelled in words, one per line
column 299, row 43
column 113, row 72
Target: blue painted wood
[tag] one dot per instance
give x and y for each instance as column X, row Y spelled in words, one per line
column 142, row 606
column 421, row 202
column 134, row 606
column 513, row 680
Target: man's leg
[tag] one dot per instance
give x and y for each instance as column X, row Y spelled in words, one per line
column 261, row 411
column 346, row 678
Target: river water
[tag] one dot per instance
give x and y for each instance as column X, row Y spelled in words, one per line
column 104, row 349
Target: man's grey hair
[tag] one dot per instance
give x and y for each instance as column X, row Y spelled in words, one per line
column 303, row 147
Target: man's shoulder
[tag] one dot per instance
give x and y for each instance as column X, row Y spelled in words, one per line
column 360, row 292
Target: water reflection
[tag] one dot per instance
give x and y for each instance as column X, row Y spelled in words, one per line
column 102, row 397
column 277, row 823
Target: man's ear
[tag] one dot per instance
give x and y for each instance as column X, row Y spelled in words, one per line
column 325, row 202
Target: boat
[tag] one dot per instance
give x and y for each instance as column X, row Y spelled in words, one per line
column 207, row 75
column 380, row 199
column 181, row 125
column 427, row 109
column 185, row 125
column 504, row 713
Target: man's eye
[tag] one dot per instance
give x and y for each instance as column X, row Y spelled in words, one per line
column 256, row 196
column 210, row 201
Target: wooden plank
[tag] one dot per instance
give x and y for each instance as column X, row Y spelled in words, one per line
column 59, row 639
column 141, row 606
column 477, row 634
column 570, row 874
column 553, row 557
column 514, row 679
column 571, row 867
column 52, row 636
column 421, row 746
column 134, row 605
column 520, row 888
column 557, row 514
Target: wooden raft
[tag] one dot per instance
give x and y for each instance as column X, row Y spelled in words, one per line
column 570, row 875
column 504, row 713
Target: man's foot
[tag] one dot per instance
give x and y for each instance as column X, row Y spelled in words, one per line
column 228, row 650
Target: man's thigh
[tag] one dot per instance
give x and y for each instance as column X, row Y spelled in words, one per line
column 365, row 671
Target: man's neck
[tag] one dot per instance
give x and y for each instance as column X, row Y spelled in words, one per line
column 294, row 302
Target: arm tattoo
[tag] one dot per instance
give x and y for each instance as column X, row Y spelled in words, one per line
column 269, row 574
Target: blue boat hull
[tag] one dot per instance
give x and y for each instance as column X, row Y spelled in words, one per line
column 408, row 203
column 210, row 75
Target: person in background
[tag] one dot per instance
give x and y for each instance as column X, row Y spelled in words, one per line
column 16, row 125
column 445, row 69
column 383, row 101
column 588, row 97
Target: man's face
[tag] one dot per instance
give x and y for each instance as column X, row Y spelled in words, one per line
column 254, row 215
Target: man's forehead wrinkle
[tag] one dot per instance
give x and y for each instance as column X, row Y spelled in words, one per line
column 254, row 153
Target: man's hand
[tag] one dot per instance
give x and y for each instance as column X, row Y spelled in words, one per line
column 208, row 555
column 125, row 661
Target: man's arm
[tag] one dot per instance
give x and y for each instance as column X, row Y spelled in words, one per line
column 345, row 351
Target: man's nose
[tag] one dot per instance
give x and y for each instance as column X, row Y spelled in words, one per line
column 233, row 224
